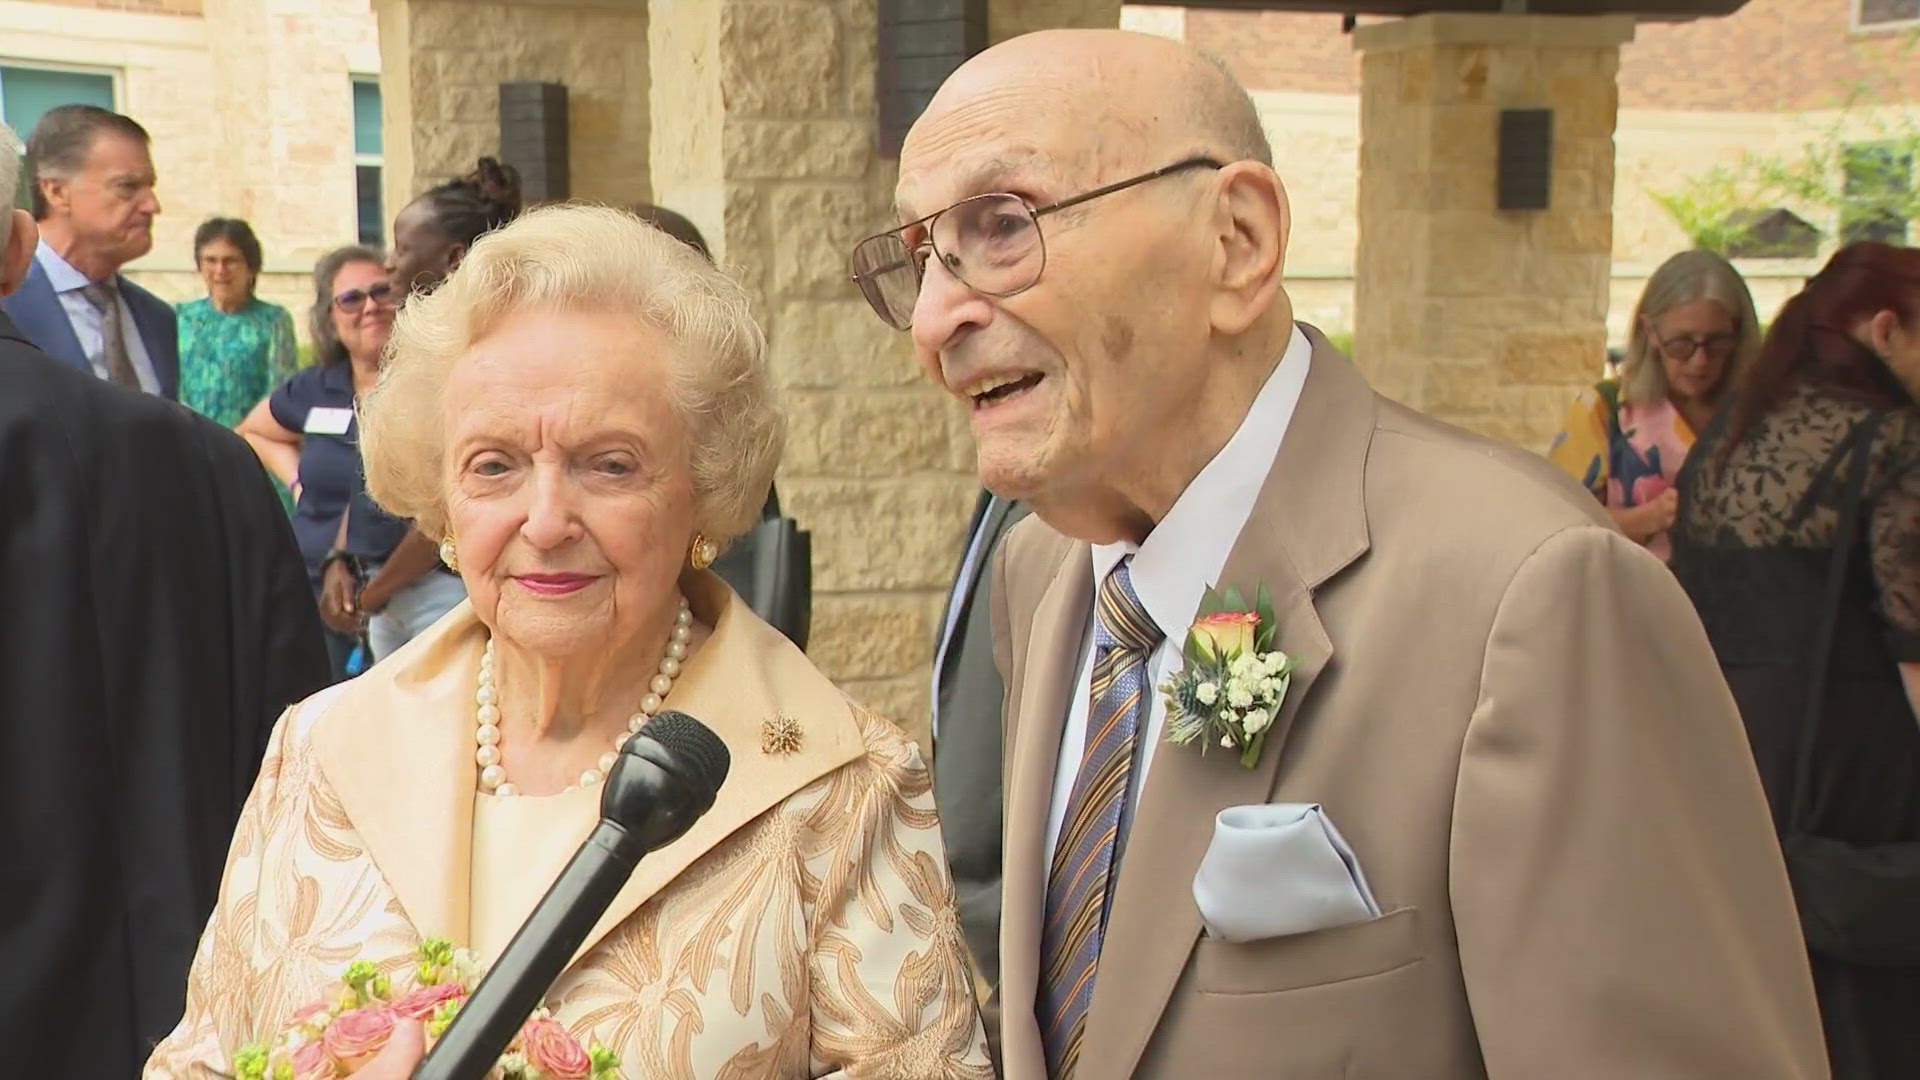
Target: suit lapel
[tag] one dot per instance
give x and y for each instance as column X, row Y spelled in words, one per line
column 37, row 310
column 1049, row 673
column 989, row 518
column 159, row 335
column 396, row 749
column 1308, row 523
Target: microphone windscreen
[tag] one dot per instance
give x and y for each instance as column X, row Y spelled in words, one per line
column 692, row 743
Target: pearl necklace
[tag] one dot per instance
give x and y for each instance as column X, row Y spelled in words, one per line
column 493, row 774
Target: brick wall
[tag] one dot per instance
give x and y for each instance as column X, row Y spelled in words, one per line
column 1771, row 55
column 1279, row 50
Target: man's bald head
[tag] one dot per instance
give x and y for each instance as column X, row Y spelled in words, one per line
column 1107, row 99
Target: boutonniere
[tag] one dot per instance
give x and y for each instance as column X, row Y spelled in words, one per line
column 1230, row 689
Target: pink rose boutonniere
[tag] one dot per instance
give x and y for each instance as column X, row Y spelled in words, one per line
column 1230, row 689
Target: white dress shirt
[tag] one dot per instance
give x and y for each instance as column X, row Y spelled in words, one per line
column 68, row 284
column 1181, row 557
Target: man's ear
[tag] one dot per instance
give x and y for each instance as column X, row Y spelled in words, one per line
column 53, row 193
column 16, row 258
column 455, row 252
column 1253, row 221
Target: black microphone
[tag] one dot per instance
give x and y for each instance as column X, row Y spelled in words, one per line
column 665, row 779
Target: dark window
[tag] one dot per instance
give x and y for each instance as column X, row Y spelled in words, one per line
column 1884, row 12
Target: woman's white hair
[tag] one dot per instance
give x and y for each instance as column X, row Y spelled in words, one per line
column 1682, row 279
column 598, row 260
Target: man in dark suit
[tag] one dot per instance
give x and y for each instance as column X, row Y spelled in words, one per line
column 967, row 693
column 157, row 621
column 93, row 197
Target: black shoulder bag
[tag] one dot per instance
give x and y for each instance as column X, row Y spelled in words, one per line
column 1858, row 901
column 772, row 569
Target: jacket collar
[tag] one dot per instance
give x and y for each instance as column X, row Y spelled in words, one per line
column 396, row 749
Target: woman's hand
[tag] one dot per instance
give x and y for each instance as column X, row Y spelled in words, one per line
column 338, row 608
column 1648, row 520
column 402, row 1054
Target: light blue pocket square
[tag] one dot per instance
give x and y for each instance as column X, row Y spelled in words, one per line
column 1278, row 868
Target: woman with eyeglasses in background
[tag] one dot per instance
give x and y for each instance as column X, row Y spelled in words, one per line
column 1625, row 439
column 305, row 432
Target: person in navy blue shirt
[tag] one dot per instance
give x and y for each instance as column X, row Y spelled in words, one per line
column 305, row 432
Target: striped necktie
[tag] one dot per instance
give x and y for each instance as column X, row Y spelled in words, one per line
column 105, row 297
column 1078, row 882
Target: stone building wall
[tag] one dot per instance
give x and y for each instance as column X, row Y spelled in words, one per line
column 442, row 63
column 1489, row 319
column 249, row 103
column 1693, row 96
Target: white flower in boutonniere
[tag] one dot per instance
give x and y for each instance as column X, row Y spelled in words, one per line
column 1233, row 682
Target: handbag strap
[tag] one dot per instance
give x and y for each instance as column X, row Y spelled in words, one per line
column 1856, row 446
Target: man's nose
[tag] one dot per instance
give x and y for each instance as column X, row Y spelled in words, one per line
column 945, row 306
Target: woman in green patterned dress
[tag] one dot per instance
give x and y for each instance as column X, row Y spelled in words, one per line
column 234, row 346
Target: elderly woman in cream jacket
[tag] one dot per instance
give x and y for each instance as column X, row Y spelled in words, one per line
column 582, row 411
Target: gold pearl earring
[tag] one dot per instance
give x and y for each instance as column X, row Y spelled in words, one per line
column 703, row 553
column 449, row 556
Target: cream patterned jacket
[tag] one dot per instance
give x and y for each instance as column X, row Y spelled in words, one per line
column 804, row 927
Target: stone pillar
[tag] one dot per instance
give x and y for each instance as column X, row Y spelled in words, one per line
column 442, row 63
column 764, row 132
column 1487, row 318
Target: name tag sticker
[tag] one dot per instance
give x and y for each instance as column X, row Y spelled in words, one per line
column 322, row 420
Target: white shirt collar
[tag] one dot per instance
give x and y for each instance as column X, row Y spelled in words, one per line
column 1188, row 548
column 60, row 273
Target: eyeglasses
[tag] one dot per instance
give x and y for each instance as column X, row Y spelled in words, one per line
column 1681, row 349
column 351, row 301
column 991, row 242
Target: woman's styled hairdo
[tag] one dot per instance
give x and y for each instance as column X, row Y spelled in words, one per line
column 583, row 259
column 468, row 207
column 1683, row 279
column 327, row 347
column 1811, row 341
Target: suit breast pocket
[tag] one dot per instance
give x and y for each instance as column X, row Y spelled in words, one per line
column 1315, row 958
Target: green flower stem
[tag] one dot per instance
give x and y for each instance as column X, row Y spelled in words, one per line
column 1251, row 754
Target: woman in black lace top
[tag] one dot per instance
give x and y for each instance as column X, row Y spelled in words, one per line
column 1826, row 418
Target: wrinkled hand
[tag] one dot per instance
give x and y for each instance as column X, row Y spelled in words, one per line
column 402, row 1054
column 337, row 608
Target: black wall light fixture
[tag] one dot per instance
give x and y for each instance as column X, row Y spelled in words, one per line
column 1525, row 175
column 533, row 138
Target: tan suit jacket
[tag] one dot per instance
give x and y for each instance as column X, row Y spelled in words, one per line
column 1511, row 713
column 804, row 927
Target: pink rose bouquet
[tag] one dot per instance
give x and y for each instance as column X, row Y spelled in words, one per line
column 338, row 1034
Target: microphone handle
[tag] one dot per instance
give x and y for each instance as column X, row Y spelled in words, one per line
column 512, row 989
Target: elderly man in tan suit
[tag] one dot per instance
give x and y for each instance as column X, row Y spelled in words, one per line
column 1505, row 726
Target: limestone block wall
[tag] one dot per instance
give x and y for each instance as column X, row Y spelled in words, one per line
column 442, row 62
column 249, row 103
column 764, row 123
column 1486, row 318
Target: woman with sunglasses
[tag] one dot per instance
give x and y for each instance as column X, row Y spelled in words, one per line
column 305, row 432
column 1625, row 439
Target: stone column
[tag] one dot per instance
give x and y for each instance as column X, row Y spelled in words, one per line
column 764, row 130
column 1487, row 318
column 442, row 63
